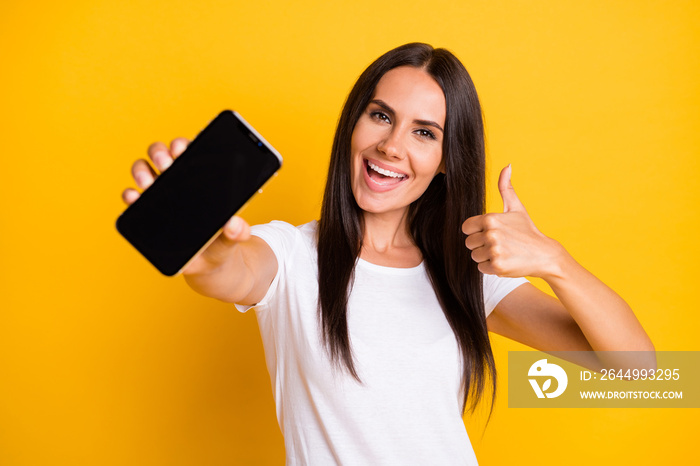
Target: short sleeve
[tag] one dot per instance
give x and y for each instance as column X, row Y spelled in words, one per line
column 496, row 288
column 282, row 239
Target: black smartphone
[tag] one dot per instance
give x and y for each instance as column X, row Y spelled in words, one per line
column 188, row 204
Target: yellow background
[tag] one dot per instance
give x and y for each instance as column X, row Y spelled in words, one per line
column 104, row 361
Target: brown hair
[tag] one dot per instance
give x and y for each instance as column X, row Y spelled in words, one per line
column 435, row 218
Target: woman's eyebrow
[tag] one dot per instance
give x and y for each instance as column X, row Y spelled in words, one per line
column 390, row 110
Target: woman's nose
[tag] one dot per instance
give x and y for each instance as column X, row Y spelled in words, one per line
column 391, row 145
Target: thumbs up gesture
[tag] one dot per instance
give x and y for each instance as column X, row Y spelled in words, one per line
column 509, row 244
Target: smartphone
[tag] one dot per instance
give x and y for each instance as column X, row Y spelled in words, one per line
column 186, row 207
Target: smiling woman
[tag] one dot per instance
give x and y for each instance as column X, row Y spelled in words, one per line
column 394, row 147
column 382, row 307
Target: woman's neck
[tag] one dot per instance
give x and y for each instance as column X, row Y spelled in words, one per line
column 388, row 242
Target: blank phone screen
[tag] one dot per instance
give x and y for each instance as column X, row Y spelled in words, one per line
column 192, row 200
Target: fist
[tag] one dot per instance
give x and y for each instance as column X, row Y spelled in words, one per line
column 509, row 244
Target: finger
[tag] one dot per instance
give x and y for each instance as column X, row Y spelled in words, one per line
column 486, row 267
column 236, row 229
column 511, row 202
column 178, row 146
column 160, row 156
column 130, row 195
column 473, row 225
column 480, row 255
column 475, row 240
column 143, row 174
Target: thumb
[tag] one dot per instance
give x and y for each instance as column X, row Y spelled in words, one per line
column 235, row 230
column 511, row 203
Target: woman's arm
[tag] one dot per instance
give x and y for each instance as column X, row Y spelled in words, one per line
column 236, row 267
column 588, row 314
column 586, row 317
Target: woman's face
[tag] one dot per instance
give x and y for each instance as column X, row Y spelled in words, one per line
column 396, row 145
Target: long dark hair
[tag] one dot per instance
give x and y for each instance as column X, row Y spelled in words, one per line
column 434, row 219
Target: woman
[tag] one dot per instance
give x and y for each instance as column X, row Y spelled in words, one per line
column 375, row 319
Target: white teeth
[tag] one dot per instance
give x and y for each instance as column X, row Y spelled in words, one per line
column 384, row 172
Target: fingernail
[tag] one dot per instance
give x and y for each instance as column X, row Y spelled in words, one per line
column 178, row 147
column 236, row 226
column 141, row 179
column 161, row 160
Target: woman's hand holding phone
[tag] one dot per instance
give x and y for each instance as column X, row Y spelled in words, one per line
column 236, row 229
column 184, row 218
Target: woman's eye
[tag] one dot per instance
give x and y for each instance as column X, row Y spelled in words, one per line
column 380, row 116
column 426, row 133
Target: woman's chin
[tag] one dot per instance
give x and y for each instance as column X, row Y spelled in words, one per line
column 372, row 208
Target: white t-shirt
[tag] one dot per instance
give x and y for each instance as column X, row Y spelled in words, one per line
column 407, row 409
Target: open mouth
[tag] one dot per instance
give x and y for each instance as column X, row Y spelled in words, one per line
column 381, row 176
